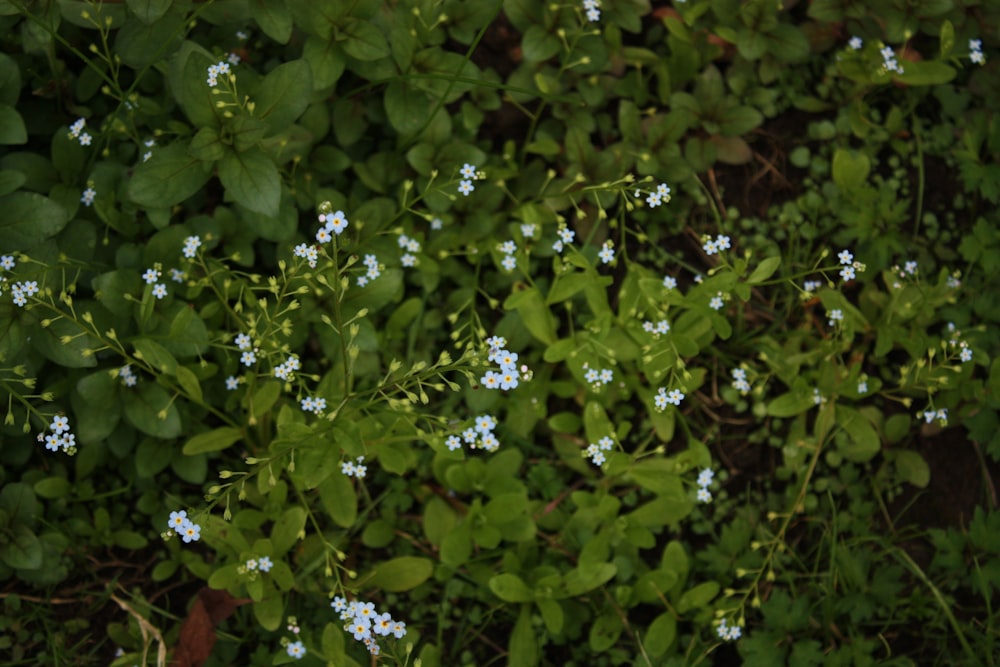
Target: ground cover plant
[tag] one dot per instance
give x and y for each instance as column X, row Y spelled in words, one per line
column 438, row 332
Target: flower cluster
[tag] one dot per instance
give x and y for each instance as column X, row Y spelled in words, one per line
column 851, row 267
column 76, row 132
column 508, row 248
column 263, row 564
column 19, row 292
column 352, row 469
column 183, row 526
column 818, row 398
column 566, row 236
column 59, row 437
column 334, row 224
column 607, row 253
column 479, row 436
column 836, row 315
column 740, row 382
column 215, row 71
column 410, row 246
column 191, row 245
column 373, row 272
column 286, row 371
column 705, row 478
column 128, row 378
column 660, row 196
column 598, row 377
column 596, row 451
column 720, row 243
column 940, row 415
column 663, row 397
column 151, row 277
column 976, row 51
column 366, row 624
column 593, row 8
column 469, row 174
column 308, row 253
column 314, row 405
column 889, row 61
column 729, row 633
column 148, row 143
column 249, row 356
column 656, row 329
column 955, row 342
column 508, row 376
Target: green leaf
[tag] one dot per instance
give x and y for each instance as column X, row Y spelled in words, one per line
column 150, row 409
column 406, row 107
column 850, row 169
column 189, row 383
column 269, row 612
column 401, row 574
column 661, row 634
column 212, row 441
column 910, row 466
column 72, row 353
column 537, row 44
column 523, row 646
column 739, row 120
column 273, row 18
column 284, row 94
column 578, row 582
column 156, row 355
column 790, row 404
column 552, row 614
column 286, row 530
column 362, row 40
column 264, row 398
column 947, row 38
column 926, row 73
column 863, row 442
column 457, row 546
column 152, row 458
column 51, row 488
column 251, row 180
column 206, row 146
column 28, row 219
column 10, row 80
column 511, row 588
column 149, row 10
column 18, row 501
column 698, row 597
column 12, row 130
column 186, row 74
column 534, row 313
column 764, row 270
column 605, row 631
column 326, row 60
column 438, row 520
column 10, row 181
column 169, row 177
column 339, row 499
column 23, row 550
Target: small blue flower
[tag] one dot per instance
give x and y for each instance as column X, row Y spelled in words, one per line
column 296, row 650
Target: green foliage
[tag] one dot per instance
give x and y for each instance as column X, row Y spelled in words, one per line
column 742, row 275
